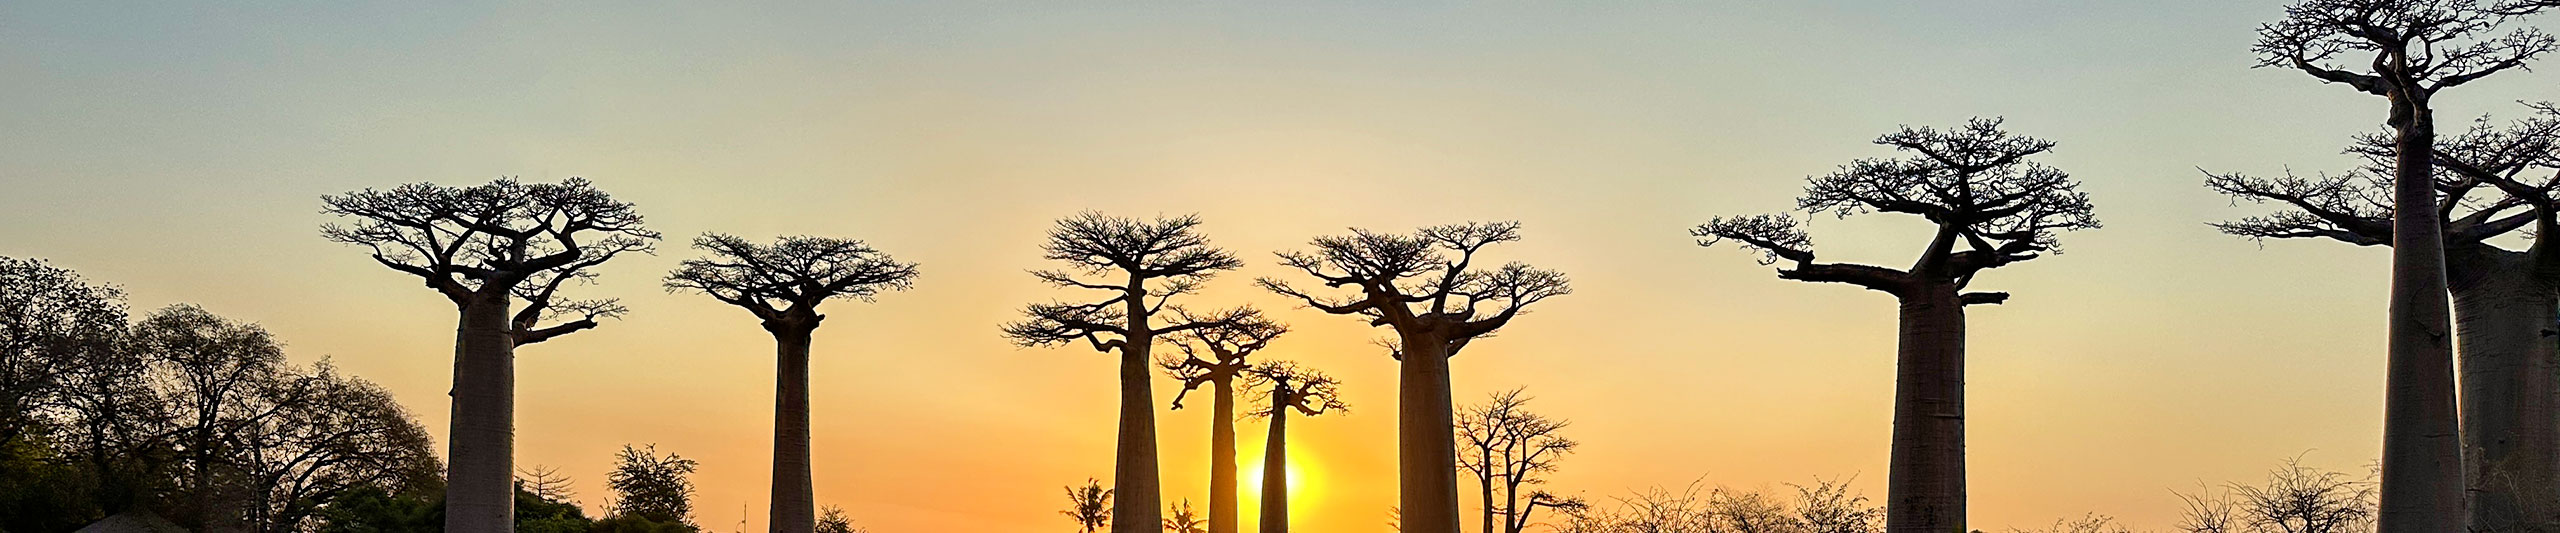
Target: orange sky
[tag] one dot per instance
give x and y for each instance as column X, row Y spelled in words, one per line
column 180, row 152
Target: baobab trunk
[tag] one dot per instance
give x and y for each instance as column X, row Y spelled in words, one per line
column 1924, row 491
column 1136, row 507
column 1222, row 455
column 2422, row 485
column 478, row 493
column 2504, row 315
column 1275, row 468
column 794, row 507
column 1427, row 449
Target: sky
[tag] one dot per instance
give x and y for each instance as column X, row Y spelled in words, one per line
column 179, row 151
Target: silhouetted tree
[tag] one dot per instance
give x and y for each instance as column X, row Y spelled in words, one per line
column 1142, row 265
column 1992, row 208
column 648, row 486
column 212, row 371
column 782, row 285
column 546, row 483
column 2088, row 523
column 1089, row 506
column 832, row 520
column 484, row 247
column 2294, row 499
column 1436, row 304
column 1216, row 356
column 2407, row 51
column 2504, row 300
column 313, row 435
column 1827, row 506
column 1181, row 519
column 47, row 316
column 1506, row 447
column 1286, row 387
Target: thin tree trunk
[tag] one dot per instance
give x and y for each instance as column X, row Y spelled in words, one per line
column 794, row 507
column 2511, row 425
column 1427, row 447
column 478, row 493
column 1222, row 455
column 1485, row 478
column 2422, row 485
column 1137, row 507
column 1925, row 487
column 1275, row 468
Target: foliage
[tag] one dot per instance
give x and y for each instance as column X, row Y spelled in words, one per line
column 832, row 520
column 648, row 486
column 1089, row 505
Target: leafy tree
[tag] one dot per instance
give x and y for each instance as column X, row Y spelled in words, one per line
column 1182, row 519
column 1142, row 266
column 652, row 487
column 1217, row 357
column 1993, row 207
column 375, row 509
column 1507, row 447
column 543, row 506
column 47, row 316
column 485, row 247
column 782, row 285
column 1428, row 288
column 832, row 520
column 1089, row 505
column 1286, row 387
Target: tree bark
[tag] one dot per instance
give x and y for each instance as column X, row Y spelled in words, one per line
column 1275, row 468
column 1136, row 506
column 479, row 495
column 794, row 507
column 1925, row 489
column 2422, row 476
column 2511, row 425
column 1222, row 455
column 1427, row 450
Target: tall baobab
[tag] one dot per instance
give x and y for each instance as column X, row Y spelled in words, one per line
column 484, row 247
column 2504, row 301
column 1226, row 348
column 1992, row 208
column 1436, row 304
column 1287, row 387
column 2406, row 51
column 1508, row 447
column 1142, row 265
column 782, row 285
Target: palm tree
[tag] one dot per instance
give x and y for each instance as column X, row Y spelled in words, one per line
column 1182, row 519
column 1287, row 387
column 1089, row 506
column 782, row 285
column 1226, row 349
column 1992, row 208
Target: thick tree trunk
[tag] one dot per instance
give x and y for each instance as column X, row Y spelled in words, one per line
column 2422, row 485
column 794, row 506
column 1924, row 491
column 2511, row 421
column 1135, row 506
column 479, row 495
column 1427, row 445
column 1222, row 455
column 1275, row 468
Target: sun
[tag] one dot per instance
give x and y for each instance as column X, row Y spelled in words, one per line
column 1251, row 488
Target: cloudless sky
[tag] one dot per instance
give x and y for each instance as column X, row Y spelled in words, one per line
column 179, row 151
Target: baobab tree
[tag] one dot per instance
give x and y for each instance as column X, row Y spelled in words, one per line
column 1286, row 386
column 2504, row 301
column 782, row 285
column 1507, row 447
column 485, row 247
column 2407, row 51
column 1142, row 265
column 1216, row 356
column 1436, row 304
column 1992, row 208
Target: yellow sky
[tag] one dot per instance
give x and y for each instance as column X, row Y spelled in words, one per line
column 180, row 152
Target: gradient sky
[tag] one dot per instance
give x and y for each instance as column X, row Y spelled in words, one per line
column 180, row 152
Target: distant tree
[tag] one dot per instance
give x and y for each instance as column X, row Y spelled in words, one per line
column 1992, row 208
column 213, row 372
column 1089, row 505
column 1217, row 356
column 484, row 247
column 2504, row 301
column 1181, row 519
column 318, row 433
column 2293, row 499
column 1437, row 304
column 832, row 520
column 651, row 487
column 2408, row 51
column 1142, row 265
column 1285, row 387
column 47, row 316
column 546, row 483
column 1827, row 506
column 1507, row 447
column 376, row 509
column 543, row 506
column 782, row 285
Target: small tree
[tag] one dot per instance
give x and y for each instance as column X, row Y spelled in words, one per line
column 782, row 285
column 1507, row 447
column 652, row 487
column 1089, row 506
column 1216, row 356
column 1142, row 265
column 1992, row 208
column 486, row 247
column 2293, row 499
column 832, row 520
column 1181, row 519
column 1286, row 387
column 1429, row 289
